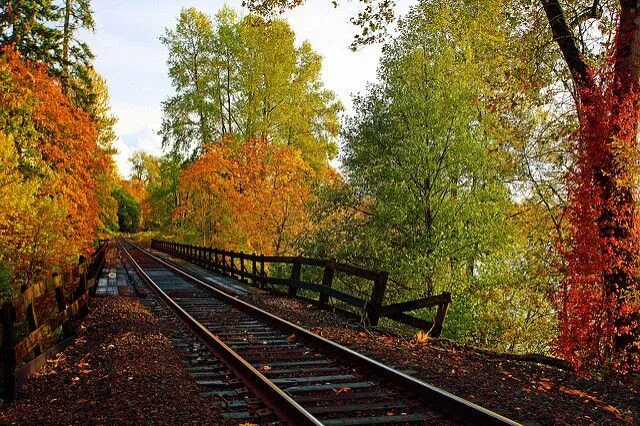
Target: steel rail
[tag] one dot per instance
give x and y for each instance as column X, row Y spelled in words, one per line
column 282, row 404
column 442, row 400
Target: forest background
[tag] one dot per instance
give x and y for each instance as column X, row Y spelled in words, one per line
column 455, row 170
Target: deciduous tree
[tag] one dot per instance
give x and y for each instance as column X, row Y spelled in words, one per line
column 246, row 78
column 600, row 319
column 56, row 154
column 248, row 196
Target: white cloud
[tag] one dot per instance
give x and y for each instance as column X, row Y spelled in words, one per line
column 137, row 130
column 132, row 118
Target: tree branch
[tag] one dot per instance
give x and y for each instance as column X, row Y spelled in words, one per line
column 593, row 12
column 563, row 35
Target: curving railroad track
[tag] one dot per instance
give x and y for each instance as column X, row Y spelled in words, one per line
column 286, row 373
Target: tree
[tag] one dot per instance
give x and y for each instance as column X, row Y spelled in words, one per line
column 600, row 319
column 281, row 93
column 250, row 196
column 51, row 149
column 246, row 78
column 46, row 31
column 188, row 115
column 419, row 153
column 128, row 211
column 76, row 55
column 25, row 24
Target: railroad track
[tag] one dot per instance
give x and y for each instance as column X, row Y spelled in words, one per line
column 297, row 376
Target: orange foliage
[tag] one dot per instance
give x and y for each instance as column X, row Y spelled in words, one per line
column 600, row 304
column 250, row 196
column 55, row 151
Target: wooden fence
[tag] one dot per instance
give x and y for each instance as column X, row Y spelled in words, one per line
column 42, row 333
column 250, row 268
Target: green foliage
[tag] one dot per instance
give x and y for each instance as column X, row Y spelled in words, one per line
column 6, row 286
column 26, row 24
column 247, row 78
column 128, row 211
column 429, row 192
column 46, row 31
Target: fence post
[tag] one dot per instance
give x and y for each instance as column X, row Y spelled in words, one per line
column 242, row 271
column 82, row 268
column 8, row 313
column 377, row 298
column 254, row 270
column 436, row 331
column 32, row 323
column 263, row 276
column 233, row 264
column 61, row 302
column 295, row 276
column 223, row 264
column 327, row 281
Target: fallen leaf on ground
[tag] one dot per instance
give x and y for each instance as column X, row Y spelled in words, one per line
column 579, row 393
column 612, row 409
column 264, row 368
column 422, row 337
column 344, row 389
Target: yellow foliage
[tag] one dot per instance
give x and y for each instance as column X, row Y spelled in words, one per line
column 252, row 196
column 422, row 337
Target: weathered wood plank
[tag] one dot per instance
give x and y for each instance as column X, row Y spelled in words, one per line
column 32, row 340
column 327, row 291
column 412, row 321
column 425, row 302
column 33, row 292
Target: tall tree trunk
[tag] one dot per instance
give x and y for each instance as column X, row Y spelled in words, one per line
column 604, row 196
column 66, row 39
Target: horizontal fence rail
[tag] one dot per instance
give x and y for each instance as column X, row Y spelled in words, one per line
column 70, row 305
column 251, row 269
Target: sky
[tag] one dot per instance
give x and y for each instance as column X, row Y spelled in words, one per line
column 133, row 61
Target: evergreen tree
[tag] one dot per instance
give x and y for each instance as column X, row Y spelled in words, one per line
column 28, row 25
column 76, row 61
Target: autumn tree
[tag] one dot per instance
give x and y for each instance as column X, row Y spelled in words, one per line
column 250, row 196
column 600, row 318
column 51, row 151
column 246, row 78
